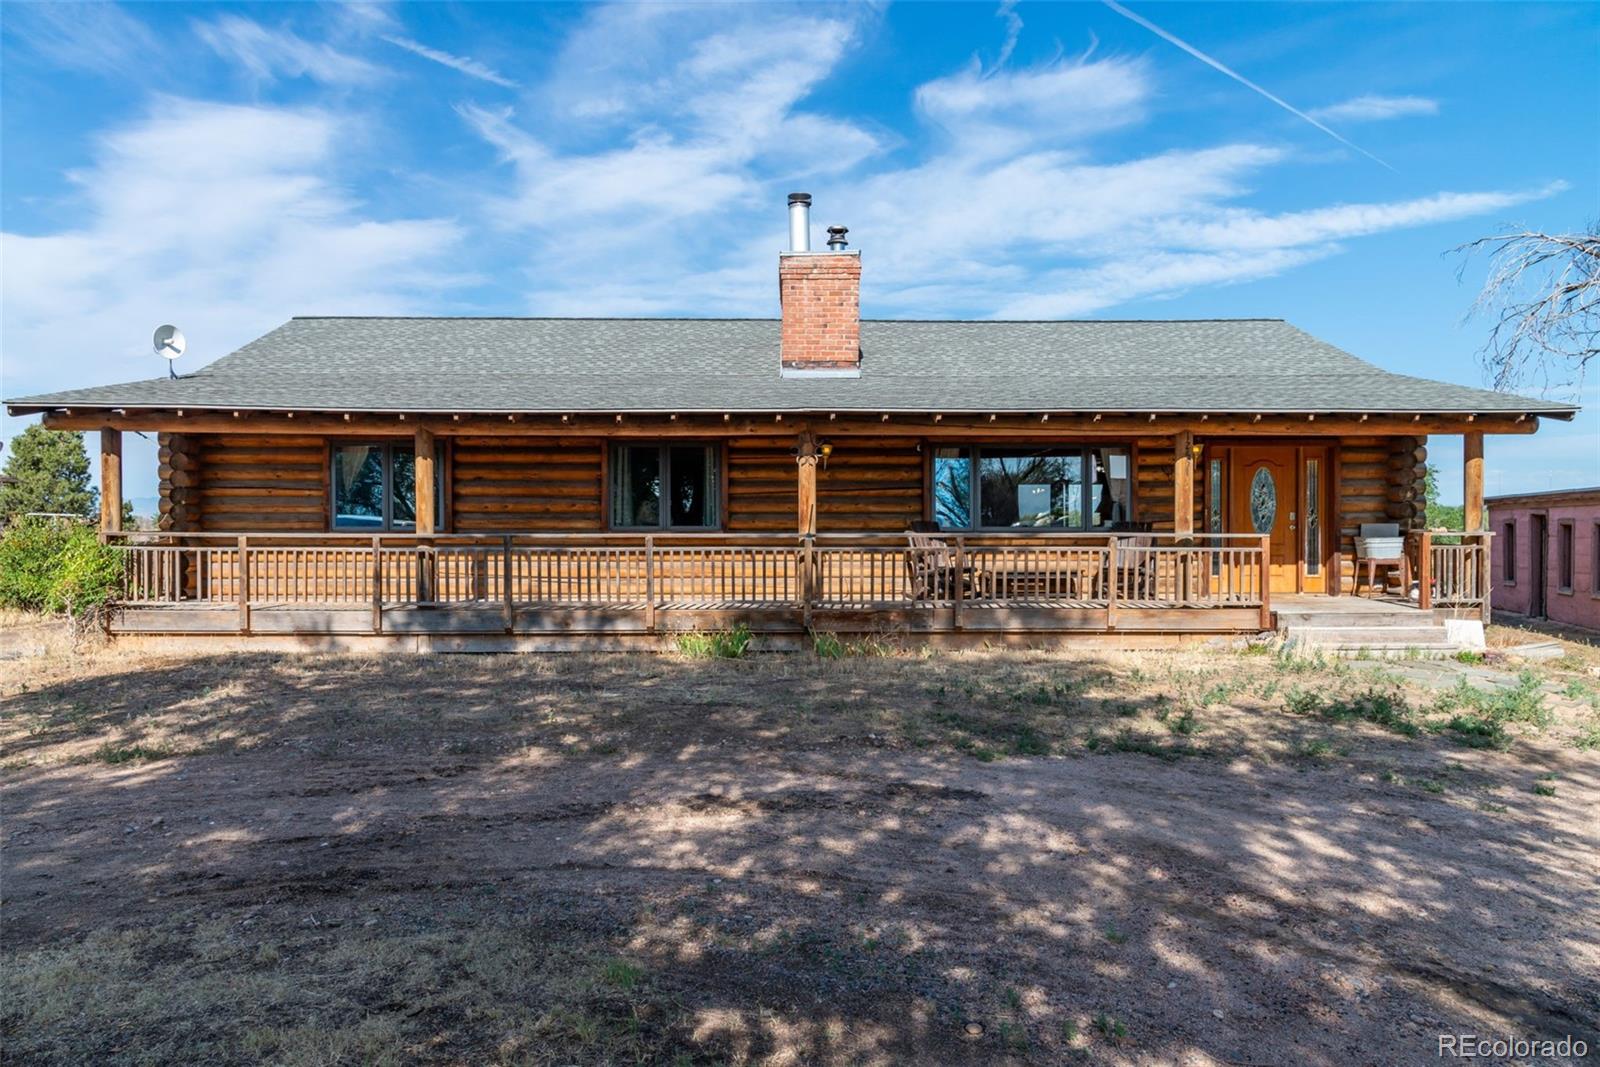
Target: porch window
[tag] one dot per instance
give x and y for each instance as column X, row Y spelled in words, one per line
column 375, row 487
column 1508, row 553
column 664, row 487
column 999, row 488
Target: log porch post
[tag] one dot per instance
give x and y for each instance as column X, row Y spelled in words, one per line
column 806, row 456
column 427, row 508
column 1472, row 481
column 110, row 481
column 1477, row 563
column 1183, row 484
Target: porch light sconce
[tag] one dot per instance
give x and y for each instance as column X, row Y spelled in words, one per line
column 825, row 450
column 1196, row 449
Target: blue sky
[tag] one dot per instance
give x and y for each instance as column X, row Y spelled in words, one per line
column 225, row 167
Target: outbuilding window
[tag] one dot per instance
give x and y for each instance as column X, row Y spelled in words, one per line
column 1508, row 552
column 1564, row 557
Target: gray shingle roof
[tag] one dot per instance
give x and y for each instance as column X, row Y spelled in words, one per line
column 688, row 365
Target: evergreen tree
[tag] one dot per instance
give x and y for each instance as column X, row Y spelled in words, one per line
column 47, row 470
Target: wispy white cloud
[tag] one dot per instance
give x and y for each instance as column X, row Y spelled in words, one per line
column 268, row 54
column 1377, row 109
column 1010, row 213
column 102, row 38
column 232, row 242
column 464, row 64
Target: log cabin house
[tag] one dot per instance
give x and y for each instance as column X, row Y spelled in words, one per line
column 459, row 483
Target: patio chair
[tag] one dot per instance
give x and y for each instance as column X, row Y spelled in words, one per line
column 930, row 563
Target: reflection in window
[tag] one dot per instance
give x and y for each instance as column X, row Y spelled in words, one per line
column 1054, row 488
column 1039, row 489
column 664, row 487
column 952, row 487
column 375, row 487
column 1110, row 488
column 358, row 497
column 1313, row 519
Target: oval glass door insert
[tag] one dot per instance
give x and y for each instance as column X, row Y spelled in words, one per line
column 1263, row 501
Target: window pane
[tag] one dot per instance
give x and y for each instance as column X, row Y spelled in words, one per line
column 403, row 469
column 952, row 488
column 694, row 487
column 1564, row 556
column 1313, row 523
column 636, row 496
column 1109, row 487
column 1509, row 547
column 1263, row 501
column 358, row 487
column 1030, row 489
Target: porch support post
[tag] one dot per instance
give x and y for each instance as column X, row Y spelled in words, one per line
column 1472, row 480
column 1183, row 484
column 1477, row 562
column 427, row 508
column 110, row 481
column 426, row 494
column 806, row 455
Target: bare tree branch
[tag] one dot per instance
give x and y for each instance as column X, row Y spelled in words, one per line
column 1543, row 293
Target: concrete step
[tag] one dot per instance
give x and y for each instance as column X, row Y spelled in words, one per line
column 1372, row 638
column 1328, row 620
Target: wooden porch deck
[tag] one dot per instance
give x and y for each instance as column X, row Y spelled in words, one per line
column 640, row 589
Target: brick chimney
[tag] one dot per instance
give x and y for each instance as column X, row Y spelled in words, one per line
column 820, row 293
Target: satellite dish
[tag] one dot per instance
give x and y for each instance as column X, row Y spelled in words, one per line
column 169, row 342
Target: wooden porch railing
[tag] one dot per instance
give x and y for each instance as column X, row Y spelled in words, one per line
column 1453, row 570
column 967, row 575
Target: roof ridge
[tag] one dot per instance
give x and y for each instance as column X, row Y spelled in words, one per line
column 752, row 318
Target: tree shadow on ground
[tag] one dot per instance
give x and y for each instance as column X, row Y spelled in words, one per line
column 631, row 859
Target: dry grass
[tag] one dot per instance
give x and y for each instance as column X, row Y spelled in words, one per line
column 630, row 859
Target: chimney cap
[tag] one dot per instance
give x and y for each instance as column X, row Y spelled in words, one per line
column 836, row 239
column 799, row 198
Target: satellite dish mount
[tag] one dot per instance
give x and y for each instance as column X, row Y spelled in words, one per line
column 169, row 344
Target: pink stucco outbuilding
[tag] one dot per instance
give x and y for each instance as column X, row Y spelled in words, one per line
column 1546, row 561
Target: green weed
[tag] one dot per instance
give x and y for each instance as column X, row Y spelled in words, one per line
column 715, row 644
column 109, row 753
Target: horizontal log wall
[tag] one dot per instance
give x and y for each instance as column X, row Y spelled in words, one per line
column 867, row 484
column 248, row 483
column 532, row 484
column 870, row 484
column 1152, row 491
column 1380, row 480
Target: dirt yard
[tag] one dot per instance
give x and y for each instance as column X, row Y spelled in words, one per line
column 1175, row 858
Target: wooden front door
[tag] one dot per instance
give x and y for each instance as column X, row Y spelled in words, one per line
column 1265, row 498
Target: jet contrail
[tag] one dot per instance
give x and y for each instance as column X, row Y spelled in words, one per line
column 1240, row 78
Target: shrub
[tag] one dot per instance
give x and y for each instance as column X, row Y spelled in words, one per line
column 58, row 567
column 1523, row 703
column 1382, row 708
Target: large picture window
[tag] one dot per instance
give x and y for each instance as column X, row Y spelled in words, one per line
column 997, row 488
column 665, row 487
column 375, row 487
